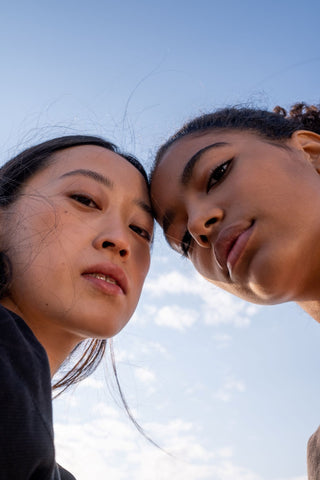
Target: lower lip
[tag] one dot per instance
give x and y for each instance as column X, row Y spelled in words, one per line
column 238, row 248
column 105, row 287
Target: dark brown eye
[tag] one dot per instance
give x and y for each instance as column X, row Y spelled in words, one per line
column 217, row 174
column 84, row 200
column 141, row 232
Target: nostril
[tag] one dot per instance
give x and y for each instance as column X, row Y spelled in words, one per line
column 123, row 253
column 211, row 221
column 107, row 244
column 204, row 238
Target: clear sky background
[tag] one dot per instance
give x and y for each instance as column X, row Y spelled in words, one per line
column 230, row 390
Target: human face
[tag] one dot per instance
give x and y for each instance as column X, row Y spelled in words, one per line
column 245, row 211
column 78, row 238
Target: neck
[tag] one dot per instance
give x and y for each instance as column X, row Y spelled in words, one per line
column 58, row 343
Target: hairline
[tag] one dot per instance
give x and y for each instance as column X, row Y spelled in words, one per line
column 201, row 132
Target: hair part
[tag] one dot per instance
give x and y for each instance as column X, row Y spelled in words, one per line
column 276, row 126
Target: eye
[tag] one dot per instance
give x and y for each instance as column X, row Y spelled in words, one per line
column 217, row 174
column 185, row 243
column 142, row 232
column 84, row 200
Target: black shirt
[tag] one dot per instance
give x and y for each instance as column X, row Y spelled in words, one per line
column 26, row 430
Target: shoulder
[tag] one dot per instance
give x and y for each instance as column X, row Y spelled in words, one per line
column 16, row 335
column 12, row 327
column 24, row 375
column 26, row 432
column 313, row 456
column 21, row 352
column 64, row 474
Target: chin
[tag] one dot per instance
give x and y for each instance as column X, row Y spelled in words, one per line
column 256, row 293
column 100, row 327
column 266, row 295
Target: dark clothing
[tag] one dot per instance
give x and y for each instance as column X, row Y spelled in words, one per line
column 26, row 430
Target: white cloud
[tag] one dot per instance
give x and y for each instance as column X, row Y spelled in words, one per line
column 114, row 450
column 145, row 375
column 227, row 390
column 175, row 317
column 139, row 350
column 214, row 306
column 302, row 477
column 222, row 340
column 196, row 389
column 173, row 282
column 151, row 347
column 225, row 452
column 92, row 382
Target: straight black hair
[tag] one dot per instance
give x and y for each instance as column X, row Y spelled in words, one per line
column 13, row 175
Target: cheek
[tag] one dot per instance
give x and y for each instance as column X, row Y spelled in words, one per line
column 31, row 236
column 202, row 260
column 141, row 264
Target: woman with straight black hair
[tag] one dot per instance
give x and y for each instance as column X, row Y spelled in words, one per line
column 237, row 191
column 76, row 227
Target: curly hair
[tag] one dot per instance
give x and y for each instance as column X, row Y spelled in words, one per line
column 276, row 125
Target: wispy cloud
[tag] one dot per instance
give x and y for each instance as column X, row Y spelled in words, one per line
column 175, row 317
column 302, row 477
column 145, row 375
column 214, row 306
column 228, row 389
column 113, row 449
column 222, row 340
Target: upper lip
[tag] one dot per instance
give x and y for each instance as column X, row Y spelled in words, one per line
column 111, row 270
column 225, row 241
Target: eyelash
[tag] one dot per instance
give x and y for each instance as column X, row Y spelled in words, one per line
column 85, row 200
column 141, row 232
column 218, row 173
column 186, row 243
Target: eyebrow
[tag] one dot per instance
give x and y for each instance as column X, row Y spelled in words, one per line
column 185, row 178
column 91, row 174
column 191, row 163
column 107, row 183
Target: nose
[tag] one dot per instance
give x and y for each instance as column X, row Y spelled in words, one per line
column 114, row 238
column 202, row 224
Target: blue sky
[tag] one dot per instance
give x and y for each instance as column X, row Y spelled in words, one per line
column 231, row 390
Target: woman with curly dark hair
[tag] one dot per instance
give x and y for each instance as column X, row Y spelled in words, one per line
column 237, row 192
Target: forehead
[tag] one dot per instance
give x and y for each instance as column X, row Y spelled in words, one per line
column 98, row 159
column 182, row 150
column 179, row 153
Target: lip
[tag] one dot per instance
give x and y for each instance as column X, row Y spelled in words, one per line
column 230, row 243
column 111, row 270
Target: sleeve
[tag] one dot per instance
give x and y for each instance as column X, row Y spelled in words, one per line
column 26, row 430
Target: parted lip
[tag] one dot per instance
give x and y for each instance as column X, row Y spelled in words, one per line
column 226, row 240
column 111, row 270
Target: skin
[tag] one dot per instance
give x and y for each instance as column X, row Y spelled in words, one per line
column 65, row 223
column 267, row 191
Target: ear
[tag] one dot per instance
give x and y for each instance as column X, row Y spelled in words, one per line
column 309, row 142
